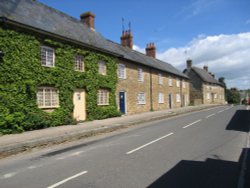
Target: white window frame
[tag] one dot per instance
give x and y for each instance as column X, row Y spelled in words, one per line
column 141, row 98
column 122, row 71
column 178, row 97
column 102, row 68
column 177, row 82
column 79, row 63
column 183, row 84
column 52, row 100
column 170, row 81
column 140, row 75
column 47, row 56
column 208, row 96
column 103, row 97
column 160, row 79
column 160, row 98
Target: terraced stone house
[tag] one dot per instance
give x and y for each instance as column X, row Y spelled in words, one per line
column 79, row 73
column 204, row 88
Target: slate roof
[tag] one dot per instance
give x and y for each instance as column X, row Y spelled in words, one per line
column 39, row 16
column 205, row 76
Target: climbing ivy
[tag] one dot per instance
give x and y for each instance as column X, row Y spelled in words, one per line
column 21, row 74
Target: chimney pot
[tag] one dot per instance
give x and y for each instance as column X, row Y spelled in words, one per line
column 205, row 68
column 127, row 39
column 150, row 50
column 89, row 19
column 189, row 64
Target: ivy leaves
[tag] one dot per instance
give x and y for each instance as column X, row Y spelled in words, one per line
column 21, row 74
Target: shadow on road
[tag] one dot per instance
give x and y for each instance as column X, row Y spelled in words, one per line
column 212, row 173
column 240, row 121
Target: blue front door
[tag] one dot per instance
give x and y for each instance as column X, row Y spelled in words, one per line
column 170, row 101
column 122, row 102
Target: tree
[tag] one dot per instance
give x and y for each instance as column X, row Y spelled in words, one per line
column 222, row 81
column 233, row 96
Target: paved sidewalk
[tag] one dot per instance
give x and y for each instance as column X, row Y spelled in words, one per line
column 16, row 143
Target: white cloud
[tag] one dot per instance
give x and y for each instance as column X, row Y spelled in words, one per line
column 137, row 48
column 226, row 56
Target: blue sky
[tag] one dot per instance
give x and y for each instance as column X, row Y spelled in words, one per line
column 177, row 26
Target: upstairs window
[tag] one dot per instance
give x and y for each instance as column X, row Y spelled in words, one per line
column 140, row 75
column 177, row 82
column 102, row 68
column 47, row 56
column 79, row 63
column 47, row 97
column 183, row 84
column 103, row 97
column 160, row 79
column 122, row 71
column 170, row 81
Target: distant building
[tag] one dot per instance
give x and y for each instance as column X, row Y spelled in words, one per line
column 204, row 88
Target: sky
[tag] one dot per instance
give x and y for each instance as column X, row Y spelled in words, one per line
column 215, row 33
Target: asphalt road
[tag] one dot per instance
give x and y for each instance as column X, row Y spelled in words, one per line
column 202, row 149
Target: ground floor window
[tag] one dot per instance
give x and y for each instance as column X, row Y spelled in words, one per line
column 103, row 97
column 178, row 97
column 47, row 97
column 141, row 98
column 161, row 98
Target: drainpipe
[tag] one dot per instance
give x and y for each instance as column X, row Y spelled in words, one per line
column 151, row 91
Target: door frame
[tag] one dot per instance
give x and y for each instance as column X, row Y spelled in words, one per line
column 125, row 101
column 76, row 91
column 170, row 100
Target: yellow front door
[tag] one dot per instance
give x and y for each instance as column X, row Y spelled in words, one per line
column 79, row 105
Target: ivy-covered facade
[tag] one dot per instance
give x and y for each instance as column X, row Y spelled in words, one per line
column 24, row 73
column 59, row 70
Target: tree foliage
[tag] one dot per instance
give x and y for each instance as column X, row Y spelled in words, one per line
column 233, row 97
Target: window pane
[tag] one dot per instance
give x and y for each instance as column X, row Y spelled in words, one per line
column 47, row 56
column 103, row 97
column 79, row 63
column 47, row 97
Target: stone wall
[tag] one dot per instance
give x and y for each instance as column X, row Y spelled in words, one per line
column 131, row 86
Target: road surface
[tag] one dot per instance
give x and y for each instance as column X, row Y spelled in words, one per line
column 200, row 149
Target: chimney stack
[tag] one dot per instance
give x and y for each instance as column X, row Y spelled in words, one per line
column 151, row 50
column 127, row 39
column 205, row 68
column 89, row 19
column 189, row 63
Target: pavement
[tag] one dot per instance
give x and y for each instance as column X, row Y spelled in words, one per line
column 17, row 143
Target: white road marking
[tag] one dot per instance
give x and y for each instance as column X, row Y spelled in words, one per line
column 221, row 111
column 68, row 179
column 9, row 175
column 134, row 150
column 76, row 153
column 191, row 124
column 210, row 115
column 32, row 167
